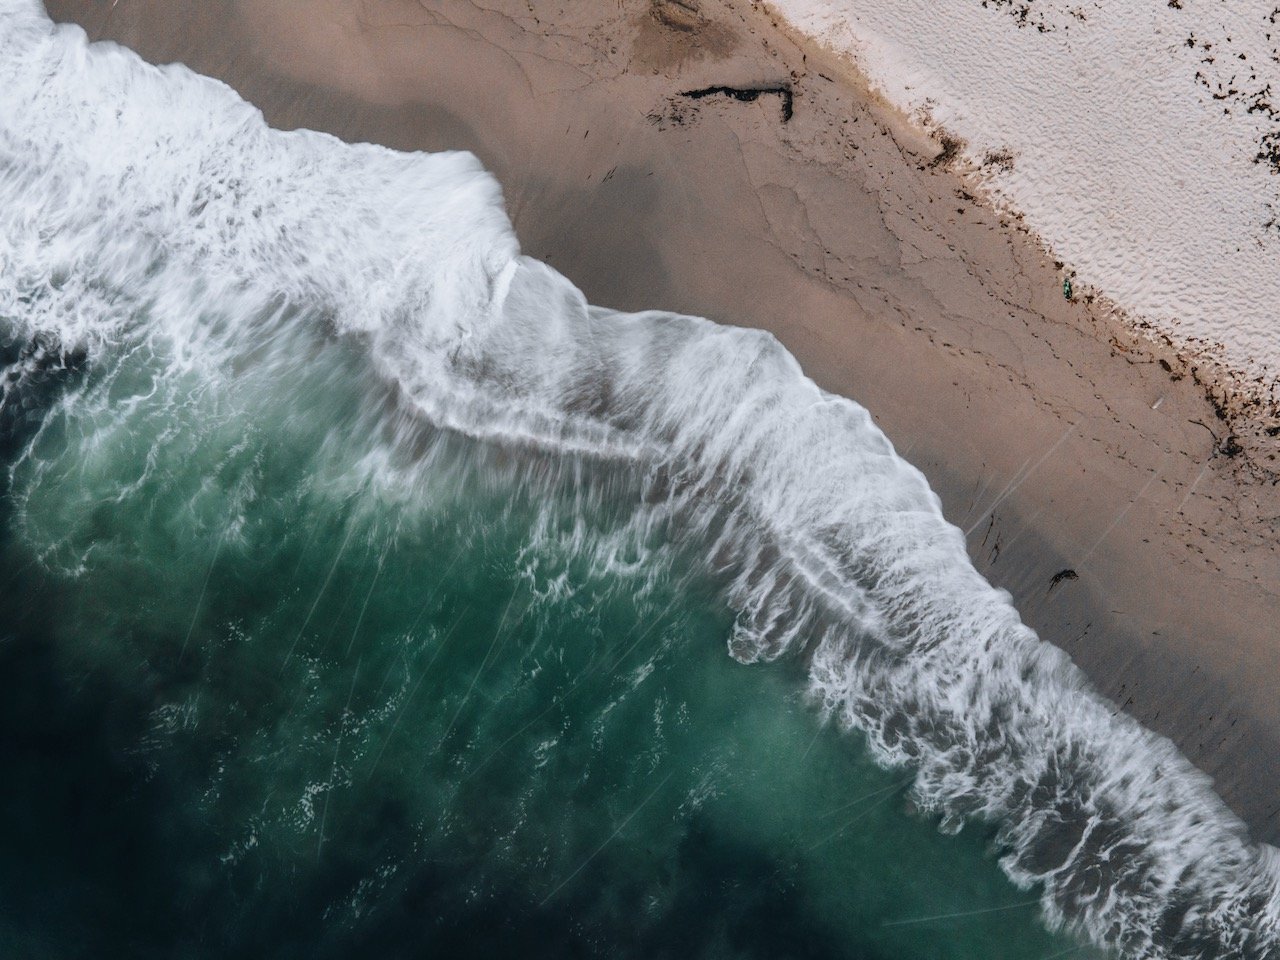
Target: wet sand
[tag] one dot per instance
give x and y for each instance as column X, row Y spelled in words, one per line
column 1104, row 480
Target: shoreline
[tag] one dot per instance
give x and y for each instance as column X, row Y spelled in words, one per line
column 1053, row 434
column 1136, row 143
column 1246, row 403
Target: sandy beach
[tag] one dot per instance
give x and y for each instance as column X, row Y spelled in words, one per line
column 705, row 160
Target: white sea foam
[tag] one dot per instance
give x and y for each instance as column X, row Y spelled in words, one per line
column 144, row 207
column 1134, row 129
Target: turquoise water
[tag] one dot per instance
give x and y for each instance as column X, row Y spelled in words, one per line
column 367, row 592
column 288, row 673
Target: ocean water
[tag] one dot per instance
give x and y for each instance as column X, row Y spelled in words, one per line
column 368, row 593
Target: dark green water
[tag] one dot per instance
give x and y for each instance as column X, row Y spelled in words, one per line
column 285, row 673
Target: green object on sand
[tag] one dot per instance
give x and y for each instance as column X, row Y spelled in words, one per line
column 1066, row 287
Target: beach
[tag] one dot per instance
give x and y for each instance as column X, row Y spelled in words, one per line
column 621, row 482
column 1137, row 141
column 1101, row 478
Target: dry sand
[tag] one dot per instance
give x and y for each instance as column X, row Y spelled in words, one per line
column 1054, row 433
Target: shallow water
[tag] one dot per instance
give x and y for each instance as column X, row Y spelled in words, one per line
column 367, row 590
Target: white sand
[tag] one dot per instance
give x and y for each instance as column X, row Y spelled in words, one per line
column 1123, row 159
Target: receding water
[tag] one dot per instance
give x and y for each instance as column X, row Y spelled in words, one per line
column 368, row 593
